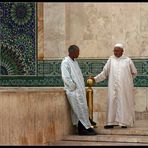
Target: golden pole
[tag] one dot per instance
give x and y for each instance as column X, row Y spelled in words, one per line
column 89, row 96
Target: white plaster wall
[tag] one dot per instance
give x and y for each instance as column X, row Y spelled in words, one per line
column 95, row 28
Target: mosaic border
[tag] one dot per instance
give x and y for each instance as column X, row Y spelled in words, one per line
column 49, row 75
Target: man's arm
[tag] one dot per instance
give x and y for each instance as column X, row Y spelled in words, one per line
column 105, row 72
column 133, row 69
column 65, row 70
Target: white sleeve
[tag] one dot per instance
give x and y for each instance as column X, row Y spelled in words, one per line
column 105, row 72
column 133, row 69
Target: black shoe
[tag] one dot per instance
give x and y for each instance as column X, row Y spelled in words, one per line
column 123, row 126
column 91, row 130
column 87, row 132
column 83, row 131
column 92, row 122
column 108, row 126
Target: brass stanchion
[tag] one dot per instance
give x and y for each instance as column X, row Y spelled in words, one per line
column 89, row 96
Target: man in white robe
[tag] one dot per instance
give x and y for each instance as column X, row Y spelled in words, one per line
column 75, row 91
column 120, row 71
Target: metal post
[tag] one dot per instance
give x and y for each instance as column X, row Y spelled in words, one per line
column 89, row 96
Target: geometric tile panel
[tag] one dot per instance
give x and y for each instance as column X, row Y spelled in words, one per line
column 49, row 68
column 18, row 51
column 49, row 74
column 31, row 81
column 18, row 38
column 142, row 66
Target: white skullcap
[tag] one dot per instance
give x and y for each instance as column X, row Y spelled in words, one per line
column 119, row 45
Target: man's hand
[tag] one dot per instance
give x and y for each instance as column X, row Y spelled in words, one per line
column 91, row 77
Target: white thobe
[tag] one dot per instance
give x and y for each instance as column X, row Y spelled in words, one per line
column 120, row 104
column 75, row 90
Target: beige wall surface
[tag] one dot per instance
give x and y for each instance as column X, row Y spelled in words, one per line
column 95, row 28
column 33, row 116
column 39, row 116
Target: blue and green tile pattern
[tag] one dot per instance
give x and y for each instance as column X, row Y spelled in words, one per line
column 18, row 38
column 18, row 53
column 49, row 74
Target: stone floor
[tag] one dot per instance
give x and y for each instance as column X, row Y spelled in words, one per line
column 137, row 135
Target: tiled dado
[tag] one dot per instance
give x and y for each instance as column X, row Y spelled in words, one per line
column 18, row 35
column 49, row 74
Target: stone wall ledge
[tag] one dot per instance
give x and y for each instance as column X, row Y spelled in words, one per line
column 32, row 89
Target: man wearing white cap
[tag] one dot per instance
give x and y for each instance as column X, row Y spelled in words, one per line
column 120, row 71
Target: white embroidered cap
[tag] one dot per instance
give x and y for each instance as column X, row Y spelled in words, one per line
column 119, row 45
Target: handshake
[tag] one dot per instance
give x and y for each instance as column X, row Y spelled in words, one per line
column 90, row 81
